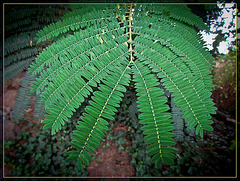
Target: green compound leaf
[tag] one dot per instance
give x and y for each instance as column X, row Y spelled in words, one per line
column 97, row 50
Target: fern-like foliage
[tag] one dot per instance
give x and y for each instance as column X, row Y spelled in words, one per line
column 106, row 46
column 22, row 22
column 23, row 99
column 39, row 110
column 178, row 122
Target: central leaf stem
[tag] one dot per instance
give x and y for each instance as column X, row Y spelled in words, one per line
column 130, row 33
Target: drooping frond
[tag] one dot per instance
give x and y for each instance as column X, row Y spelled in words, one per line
column 154, row 116
column 26, row 53
column 91, row 130
column 15, row 68
column 169, row 36
column 77, row 87
column 18, row 54
column 133, row 110
column 181, row 71
column 79, row 9
column 21, row 24
column 77, row 20
column 74, row 51
column 23, row 99
column 178, row 122
column 178, row 12
column 39, row 111
column 28, row 17
column 18, row 42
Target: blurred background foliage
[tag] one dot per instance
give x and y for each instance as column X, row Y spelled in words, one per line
column 224, row 78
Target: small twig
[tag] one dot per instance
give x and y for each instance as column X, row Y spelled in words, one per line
column 232, row 120
column 213, row 148
column 225, row 117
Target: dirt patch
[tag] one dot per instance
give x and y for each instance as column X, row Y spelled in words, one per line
column 10, row 92
column 11, row 87
column 11, row 130
column 9, row 100
column 108, row 162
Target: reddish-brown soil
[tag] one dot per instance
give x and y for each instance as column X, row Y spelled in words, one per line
column 10, row 94
column 109, row 162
